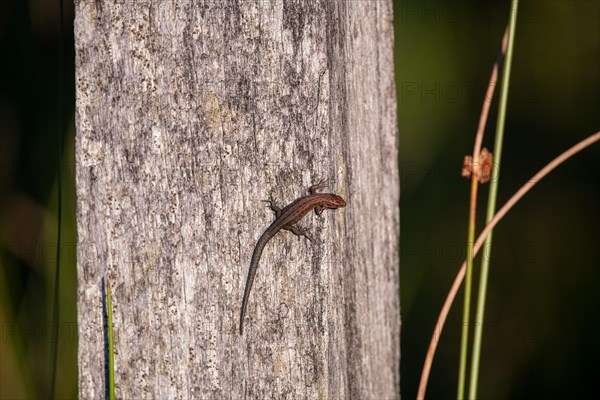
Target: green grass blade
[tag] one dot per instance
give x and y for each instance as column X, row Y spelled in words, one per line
column 491, row 209
column 111, row 347
column 56, row 302
column 464, row 339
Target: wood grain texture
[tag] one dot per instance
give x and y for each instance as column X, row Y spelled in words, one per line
column 190, row 113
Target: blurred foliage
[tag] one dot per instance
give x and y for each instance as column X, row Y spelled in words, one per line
column 36, row 109
column 540, row 333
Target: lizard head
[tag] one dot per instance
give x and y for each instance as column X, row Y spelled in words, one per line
column 334, row 201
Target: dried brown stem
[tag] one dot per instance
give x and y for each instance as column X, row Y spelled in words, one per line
column 497, row 217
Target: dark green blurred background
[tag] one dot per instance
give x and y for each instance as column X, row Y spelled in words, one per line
column 36, row 109
column 541, row 328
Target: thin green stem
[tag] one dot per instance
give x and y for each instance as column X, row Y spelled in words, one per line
column 111, row 348
column 491, row 209
column 56, row 302
column 464, row 339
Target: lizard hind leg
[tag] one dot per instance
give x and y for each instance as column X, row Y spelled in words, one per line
column 299, row 231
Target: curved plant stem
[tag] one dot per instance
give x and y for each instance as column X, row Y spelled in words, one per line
column 472, row 214
column 461, row 273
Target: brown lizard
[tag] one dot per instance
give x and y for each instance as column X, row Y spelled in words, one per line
column 286, row 219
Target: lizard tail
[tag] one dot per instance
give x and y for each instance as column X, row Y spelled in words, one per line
column 260, row 245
